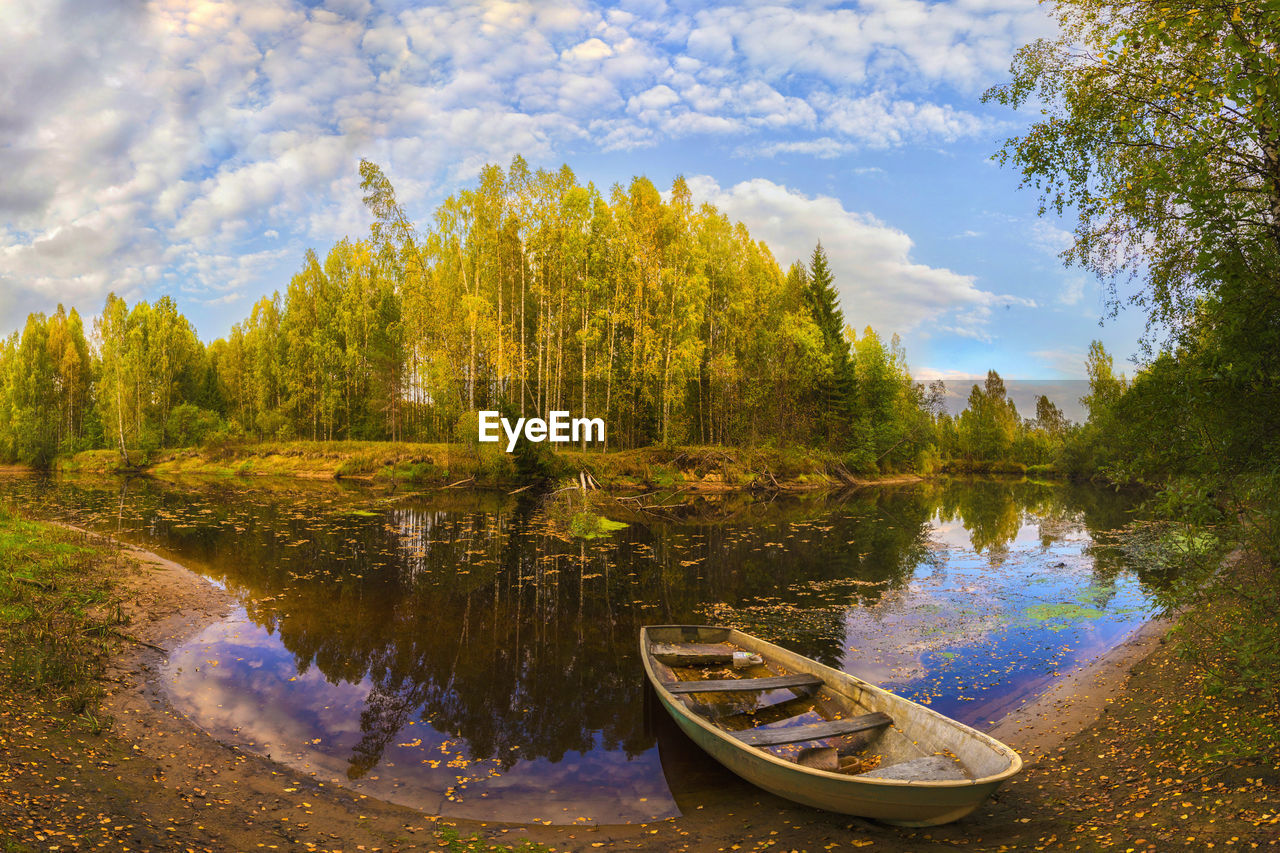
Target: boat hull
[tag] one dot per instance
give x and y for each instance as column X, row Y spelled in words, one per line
column 906, row 803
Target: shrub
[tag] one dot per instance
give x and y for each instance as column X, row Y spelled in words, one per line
column 861, row 461
column 1218, row 555
column 190, row 425
column 275, row 424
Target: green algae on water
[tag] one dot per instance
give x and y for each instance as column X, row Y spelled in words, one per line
column 1060, row 616
column 588, row 525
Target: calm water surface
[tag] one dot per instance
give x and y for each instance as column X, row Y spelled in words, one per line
column 463, row 654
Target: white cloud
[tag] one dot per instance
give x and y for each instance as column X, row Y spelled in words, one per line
column 652, row 100
column 1065, row 361
column 930, row 374
column 139, row 139
column 1049, row 238
column 824, row 148
column 1072, row 291
column 881, row 121
column 587, row 52
column 710, row 43
column 880, row 284
column 961, row 43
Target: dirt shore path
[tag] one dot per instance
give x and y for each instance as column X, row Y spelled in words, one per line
column 184, row 786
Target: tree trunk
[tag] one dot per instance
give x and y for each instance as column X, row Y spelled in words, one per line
column 524, row 350
column 124, row 454
column 608, row 382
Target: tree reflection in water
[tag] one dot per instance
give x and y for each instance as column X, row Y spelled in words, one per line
column 476, row 615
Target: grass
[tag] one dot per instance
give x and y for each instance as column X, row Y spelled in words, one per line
column 313, row 459
column 57, row 614
column 690, row 468
column 95, row 462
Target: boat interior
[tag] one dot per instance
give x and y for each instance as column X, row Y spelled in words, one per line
column 775, row 706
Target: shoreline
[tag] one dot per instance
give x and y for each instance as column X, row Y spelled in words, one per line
column 244, row 797
column 1079, row 697
column 690, row 470
column 169, row 603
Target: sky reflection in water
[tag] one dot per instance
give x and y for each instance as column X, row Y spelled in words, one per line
column 463, row 655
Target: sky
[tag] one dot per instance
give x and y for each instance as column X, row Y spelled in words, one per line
column 197, row 149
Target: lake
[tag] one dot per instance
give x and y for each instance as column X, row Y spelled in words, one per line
column 465, row 654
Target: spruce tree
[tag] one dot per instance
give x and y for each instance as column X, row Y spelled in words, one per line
column 836, row 396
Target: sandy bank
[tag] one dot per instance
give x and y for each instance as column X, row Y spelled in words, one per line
column 1077, row 699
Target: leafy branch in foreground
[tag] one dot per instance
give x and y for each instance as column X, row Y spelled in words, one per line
column 1161, row 130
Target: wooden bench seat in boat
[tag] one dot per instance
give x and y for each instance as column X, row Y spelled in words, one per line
column 692, row 654
column 741, row 685
column 703, row 654
column 812, row 731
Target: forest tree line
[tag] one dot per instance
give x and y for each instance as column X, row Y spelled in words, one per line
column 528, row 292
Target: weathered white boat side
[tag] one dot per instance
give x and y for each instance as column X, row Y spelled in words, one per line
column 917, row 731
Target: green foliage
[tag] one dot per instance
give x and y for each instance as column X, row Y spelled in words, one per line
column 31, row 400
column 1160, row 131
column 44, row 389
column 150, row 362
column 836, row 386
column 1219, row 575
column 190, row 425
column 530, row 463
column 990, row 437
column 275, row 425
column 530, row 292
column 928, row 462
column 665, row 477
column 890, row 423
column 1156, row 130
column 860, row 461
column 988, row 426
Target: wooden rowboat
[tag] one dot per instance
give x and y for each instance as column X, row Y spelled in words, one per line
column 816, row 735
